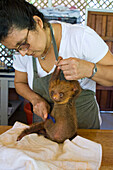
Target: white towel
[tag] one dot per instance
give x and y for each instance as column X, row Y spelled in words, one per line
column 35, row 152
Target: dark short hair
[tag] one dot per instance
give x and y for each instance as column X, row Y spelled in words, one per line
column 19, row 14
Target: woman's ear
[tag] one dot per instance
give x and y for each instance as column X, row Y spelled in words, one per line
column 38, row 21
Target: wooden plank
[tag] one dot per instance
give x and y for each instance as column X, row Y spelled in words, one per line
column 98, row 28
column 107, row 38
column 109, row 32
column 99, row 87
column 103, row 99
column 112, row 48
column 89, row 21
column 108, row 99
column 104, row 22
column 112, row 36
column 110, row 26
column 93, row 23
column 101, row 13
column 111, row 101
column 109, row 45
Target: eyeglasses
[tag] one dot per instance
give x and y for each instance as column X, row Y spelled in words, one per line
column 24, row 46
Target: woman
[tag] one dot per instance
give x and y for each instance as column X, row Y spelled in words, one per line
column 86, row 58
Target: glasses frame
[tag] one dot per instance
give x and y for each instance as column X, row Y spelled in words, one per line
column 24, row 46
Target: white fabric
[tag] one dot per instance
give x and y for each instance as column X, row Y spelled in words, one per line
column 77, row 41
column 35, row 152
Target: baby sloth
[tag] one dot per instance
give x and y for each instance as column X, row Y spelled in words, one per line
column 62, row 121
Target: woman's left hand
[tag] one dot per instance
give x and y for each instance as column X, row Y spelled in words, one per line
column 74, row 68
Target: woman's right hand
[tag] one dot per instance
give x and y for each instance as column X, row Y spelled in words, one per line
column 41, row 107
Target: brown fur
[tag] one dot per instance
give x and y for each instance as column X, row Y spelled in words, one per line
column 63, row 94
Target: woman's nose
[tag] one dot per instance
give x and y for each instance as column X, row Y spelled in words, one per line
column 23, row 53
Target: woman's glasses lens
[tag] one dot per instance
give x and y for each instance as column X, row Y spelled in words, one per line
column 23, row 47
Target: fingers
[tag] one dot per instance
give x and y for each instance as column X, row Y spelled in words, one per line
column 42, row 109
column 65, row 61
column 57, row 61
column 67, row 64
column 70, row 76
column 75, row 69
column 64, row 67
column 69, row 67
column 45, row 113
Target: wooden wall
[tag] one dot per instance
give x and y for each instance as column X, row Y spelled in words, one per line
column 102, row 23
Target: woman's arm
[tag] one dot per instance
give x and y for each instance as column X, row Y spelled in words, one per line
column 74, row 69
column 40, row 106
column 104, row 75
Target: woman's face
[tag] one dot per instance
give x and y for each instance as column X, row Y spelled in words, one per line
column 27, row 42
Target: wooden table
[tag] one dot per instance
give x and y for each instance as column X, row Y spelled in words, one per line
column 104, row 137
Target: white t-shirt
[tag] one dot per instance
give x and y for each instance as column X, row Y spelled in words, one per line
column 77, row 41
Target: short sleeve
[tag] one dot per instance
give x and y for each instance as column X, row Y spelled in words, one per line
column 20, row 62
column 93, row 46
